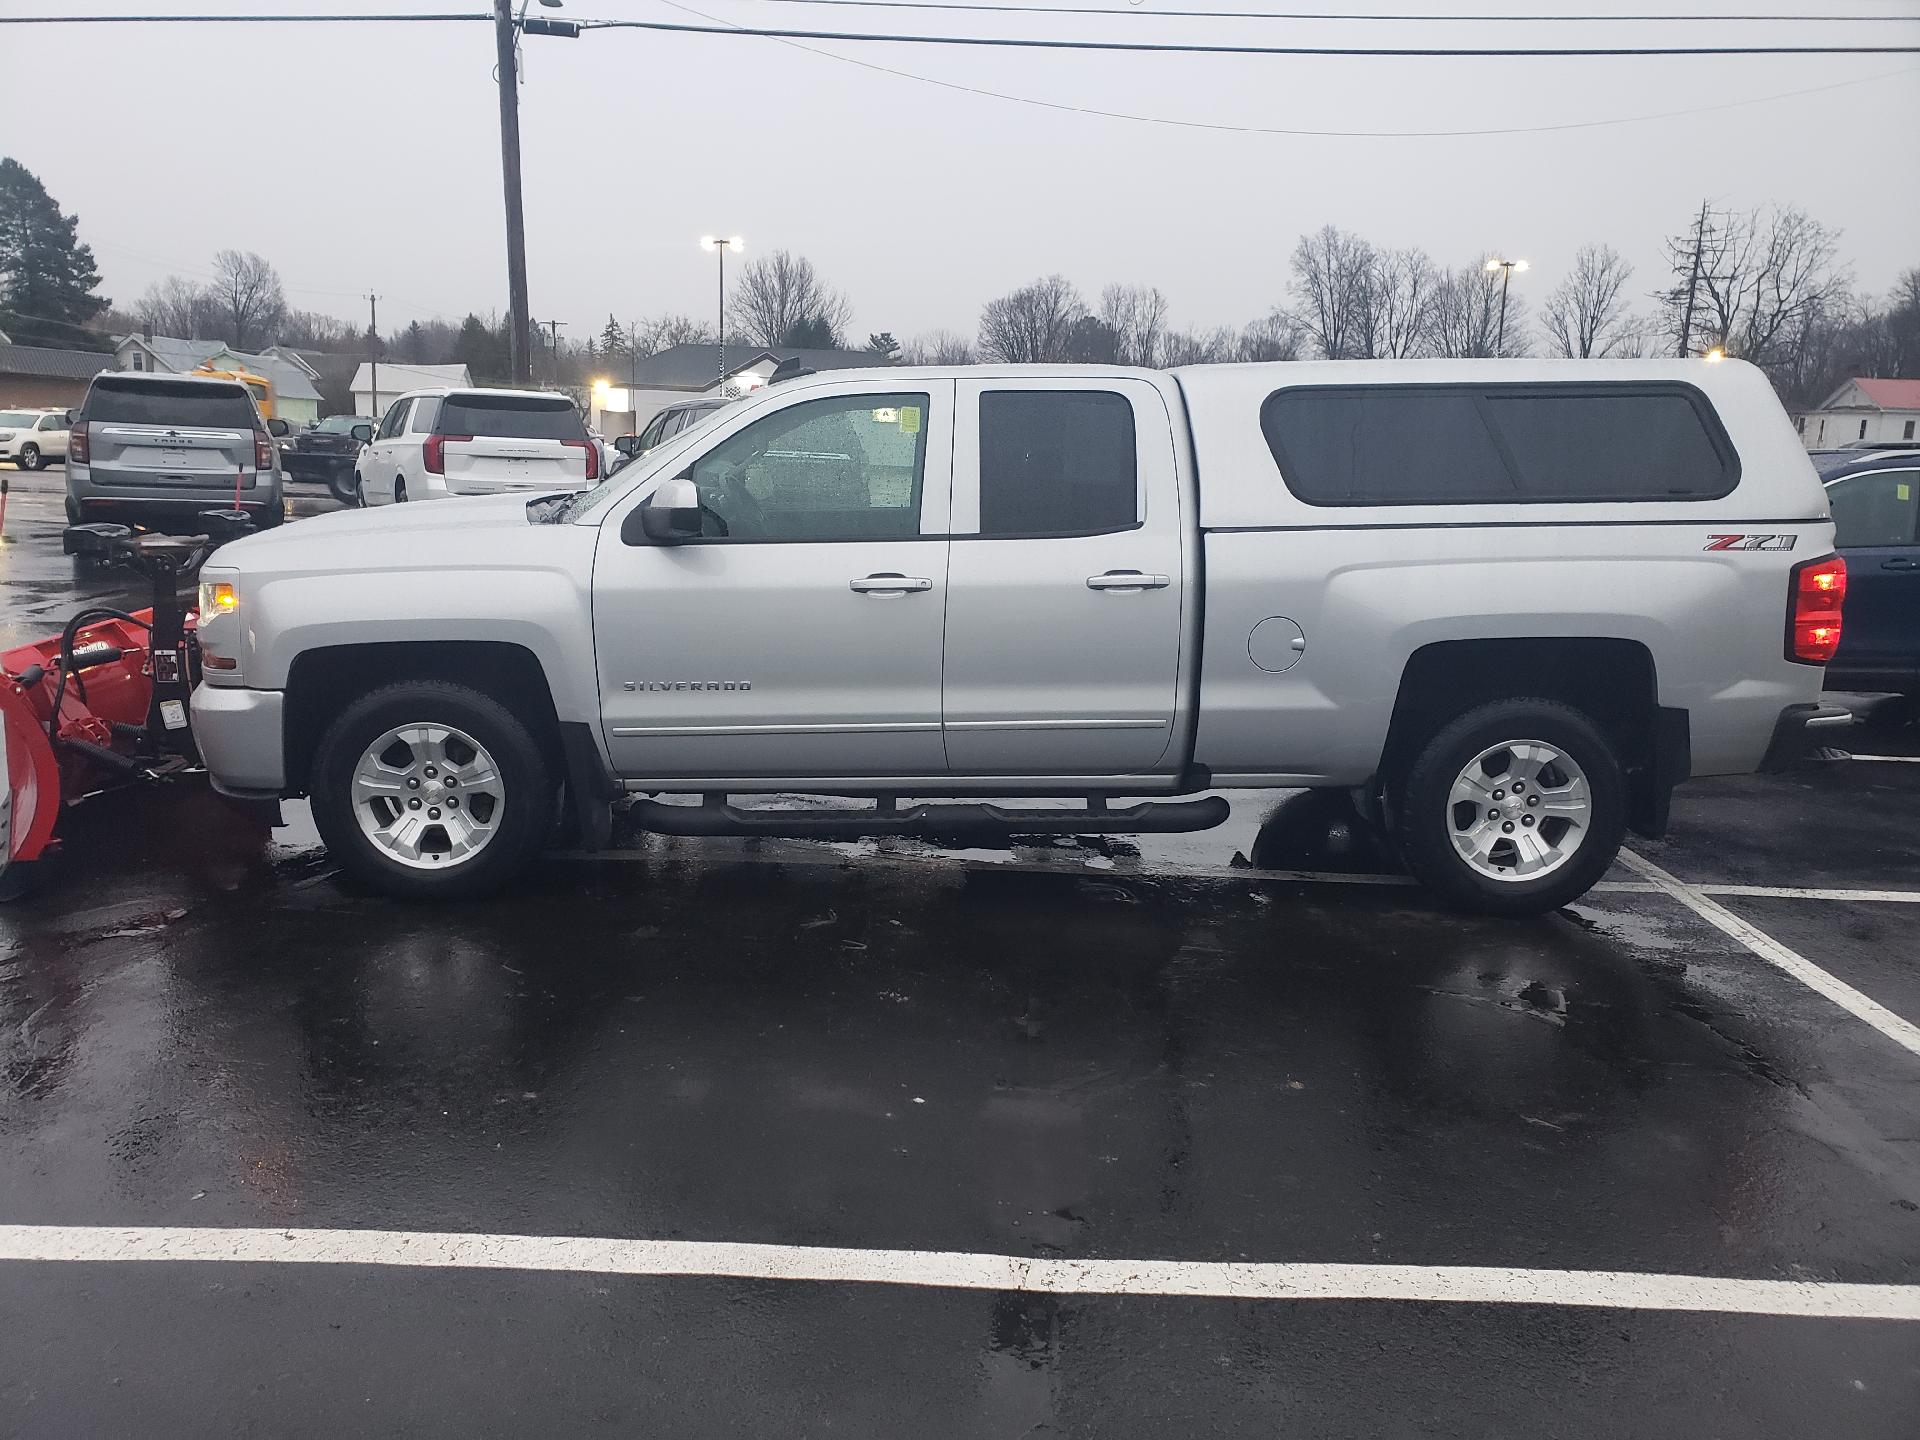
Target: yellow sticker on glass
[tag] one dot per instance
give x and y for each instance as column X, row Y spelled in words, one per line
column 910, row 419
column 1903, row 492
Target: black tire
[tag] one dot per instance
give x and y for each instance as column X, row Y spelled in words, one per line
column 31, row 457
column 399, row 492
column 345, row 485
column 271, row 516
column 1423, row 818
column 527, row 782
column 75, row 514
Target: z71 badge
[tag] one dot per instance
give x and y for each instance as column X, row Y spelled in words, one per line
column 1751, row 542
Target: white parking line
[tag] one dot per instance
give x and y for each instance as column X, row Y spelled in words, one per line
column 1863, row 1007
column 1887, row 759
column 961, row 1270
column 1802, row 892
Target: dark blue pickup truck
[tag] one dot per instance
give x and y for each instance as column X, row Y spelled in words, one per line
column 1875, row 497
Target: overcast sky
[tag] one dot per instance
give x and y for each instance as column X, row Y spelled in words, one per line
column 361, row 157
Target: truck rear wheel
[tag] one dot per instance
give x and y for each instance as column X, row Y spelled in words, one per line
column 1515, row 808
column 431, row 790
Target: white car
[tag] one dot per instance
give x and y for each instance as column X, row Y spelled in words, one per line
column 432, row 444
column 33, row 439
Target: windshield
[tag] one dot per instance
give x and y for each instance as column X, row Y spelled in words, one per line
column 341, row 424
column 512, row 417
column 617, row 483
column 18, row 417
column 171, row 402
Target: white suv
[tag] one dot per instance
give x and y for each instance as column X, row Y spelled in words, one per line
column 435, row 443
column 33, row 439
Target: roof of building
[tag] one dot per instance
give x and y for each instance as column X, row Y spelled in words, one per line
column 52, row 364
column 1891, row 394
column 696, row 367
column 396, row 379
column 291, row 381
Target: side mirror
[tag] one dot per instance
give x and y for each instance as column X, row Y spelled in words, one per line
column 625, row 444
column 363, row 434
column 72, row 417
column 278, row 428
column 671, row 514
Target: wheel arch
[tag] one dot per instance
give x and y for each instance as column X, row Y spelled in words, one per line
column 1615, row 681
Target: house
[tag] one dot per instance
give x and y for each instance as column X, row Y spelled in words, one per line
column 1863, row 409
column 682, row 372
column 296, row 398
column 376, row 386
column 32, row 377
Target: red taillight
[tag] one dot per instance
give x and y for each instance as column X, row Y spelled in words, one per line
column 262, row 450
column 593, row 455
column 1813, row 619
column 433, row 454
column 77, row 443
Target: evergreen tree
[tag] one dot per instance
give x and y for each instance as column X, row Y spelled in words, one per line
column 885, row 346
column 47, row 278
column 613, row 340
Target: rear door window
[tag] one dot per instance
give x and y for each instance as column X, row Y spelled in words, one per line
column 512, row 417
column 1876, row 510
column 1480, row 444
column 175, row 403
column 424, row 410
column 1057, row 462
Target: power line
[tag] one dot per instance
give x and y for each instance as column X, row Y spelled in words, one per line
column 334, row 19
column 1023, row 9
column 1184, row 48
column 1218, row 126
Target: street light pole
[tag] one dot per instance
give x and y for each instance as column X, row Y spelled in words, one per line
column 519, row 345
column 1506, row 269
column 720, row 246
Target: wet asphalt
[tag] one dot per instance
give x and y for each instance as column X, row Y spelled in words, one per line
column 1101, row 1049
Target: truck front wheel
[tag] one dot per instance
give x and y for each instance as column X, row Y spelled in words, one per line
column 431, row 790
column 1515, row 808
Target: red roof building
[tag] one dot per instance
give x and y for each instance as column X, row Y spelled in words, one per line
column 1864, row 412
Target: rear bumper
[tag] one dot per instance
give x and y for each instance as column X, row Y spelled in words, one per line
column 1800, row 729
column 240, row 738
column 257, row 490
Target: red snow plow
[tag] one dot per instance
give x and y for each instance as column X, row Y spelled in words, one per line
column 104, row 702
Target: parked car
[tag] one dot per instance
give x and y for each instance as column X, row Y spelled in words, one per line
column 156, row 450
column 1507, row 605
column 1875, row 500
column 435, row 443
column 667, row 424
column 325, row 452
column 33, row 439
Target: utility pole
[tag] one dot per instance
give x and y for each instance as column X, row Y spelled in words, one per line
column 720, row 244
column 1506, row 269
column 519, row 342
column 373, row 353
column 553, row 330
column 1693, row 283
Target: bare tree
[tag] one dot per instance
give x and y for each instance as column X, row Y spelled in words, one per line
column 1466, row 320
column 1332, row 273
column 1137, row 316
column 311, row 330
column 1033, row 323
column 1199, row 347
column 1276, row 337
column 781, row 300
column 662, row 332
column 1397, row 305
column 1586, row 314
column 1756, row 283
column 938, row 347
column 246, row 295
column 175, row 307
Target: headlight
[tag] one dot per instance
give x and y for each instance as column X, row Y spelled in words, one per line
column 217, row 597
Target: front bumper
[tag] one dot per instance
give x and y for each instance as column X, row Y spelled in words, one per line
column 1800, row 730
column 240, row 738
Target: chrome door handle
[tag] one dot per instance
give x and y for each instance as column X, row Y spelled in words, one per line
column 890, row 585
column 1900, row 563
column 1127, row 580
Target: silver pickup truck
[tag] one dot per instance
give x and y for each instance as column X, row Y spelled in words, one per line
column 1508, row 605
